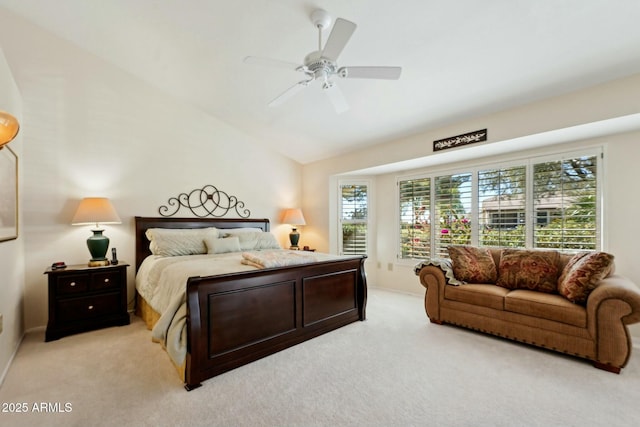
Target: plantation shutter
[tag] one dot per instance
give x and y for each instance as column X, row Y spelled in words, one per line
column 453, row 206
column 502, row 207
column 354, row 219
column 415, row 218
column 565, row 204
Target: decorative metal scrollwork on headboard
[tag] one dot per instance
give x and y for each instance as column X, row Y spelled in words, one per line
column 204, row 202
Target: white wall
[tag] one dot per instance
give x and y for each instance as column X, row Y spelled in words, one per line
column 11, row 260
column 508, row 133
column 91, row 129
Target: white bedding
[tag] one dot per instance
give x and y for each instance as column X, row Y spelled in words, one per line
column 161, row 281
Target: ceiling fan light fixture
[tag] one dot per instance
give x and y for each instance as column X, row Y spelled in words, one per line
column 328, row 84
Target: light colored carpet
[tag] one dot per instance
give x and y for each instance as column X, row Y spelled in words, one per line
column 393, row 369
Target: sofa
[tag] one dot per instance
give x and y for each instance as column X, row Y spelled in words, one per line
column 574, row 304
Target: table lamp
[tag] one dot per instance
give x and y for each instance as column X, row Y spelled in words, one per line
column 96, row 210
column 294, row 218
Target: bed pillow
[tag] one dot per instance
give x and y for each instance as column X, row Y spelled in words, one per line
column 536, row 270
column 176, row 242
column 582, row 274
column 236, row 231
column 472, row 264
column 221, row 246
column 255, row 240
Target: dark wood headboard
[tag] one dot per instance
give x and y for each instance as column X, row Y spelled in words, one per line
column 144, row 223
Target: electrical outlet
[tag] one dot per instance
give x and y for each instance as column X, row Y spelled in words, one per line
column 390, row 266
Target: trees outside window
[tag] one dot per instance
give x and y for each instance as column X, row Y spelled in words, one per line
column 354, row 214
column 537, row 203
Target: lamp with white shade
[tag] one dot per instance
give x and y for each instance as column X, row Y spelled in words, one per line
column 294, row 218
column 96, row 210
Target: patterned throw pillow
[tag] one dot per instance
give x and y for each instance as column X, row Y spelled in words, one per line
column 582, row 274
column 523, row 269
column 472, row 264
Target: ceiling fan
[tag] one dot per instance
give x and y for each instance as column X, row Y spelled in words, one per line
column 321, row 65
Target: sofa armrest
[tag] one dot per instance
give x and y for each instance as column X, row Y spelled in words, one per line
column 612, row 305
column 433, row 278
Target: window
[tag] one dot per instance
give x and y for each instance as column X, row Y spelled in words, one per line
column 505, row 220
column 354, row 207
column 415, row 218
column 502, row 202
column 452, row 209
column 537, row 203
column 566, row 192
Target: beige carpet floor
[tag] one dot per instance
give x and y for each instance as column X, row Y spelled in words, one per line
column 395, row 369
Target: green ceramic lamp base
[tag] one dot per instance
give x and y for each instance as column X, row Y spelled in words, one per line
column 98, row 245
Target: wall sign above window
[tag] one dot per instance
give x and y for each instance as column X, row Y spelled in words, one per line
column 459, row 140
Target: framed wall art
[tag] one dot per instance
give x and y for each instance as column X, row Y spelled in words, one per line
column 8, row 194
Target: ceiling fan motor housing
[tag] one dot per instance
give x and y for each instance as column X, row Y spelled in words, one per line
column 320, row 66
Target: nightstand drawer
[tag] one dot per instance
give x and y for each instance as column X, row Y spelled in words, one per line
column 105, row 280
column 73, row 309
column 72, row 284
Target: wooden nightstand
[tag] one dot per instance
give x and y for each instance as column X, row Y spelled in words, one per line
column 84, row 298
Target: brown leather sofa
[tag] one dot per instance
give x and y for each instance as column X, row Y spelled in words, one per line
column 596, row 331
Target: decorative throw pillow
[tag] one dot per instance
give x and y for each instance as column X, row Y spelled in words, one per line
column 582, row 274
column 472, row 264
column 254, row 240
column 221, row 246
column 523, row 269
column 175, row 242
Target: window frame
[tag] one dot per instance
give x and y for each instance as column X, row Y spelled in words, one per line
column 366, row 221
column 530, row 215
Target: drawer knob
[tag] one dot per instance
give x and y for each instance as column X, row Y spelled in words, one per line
column 106, row 280
column 90, row 307
column 72, row 284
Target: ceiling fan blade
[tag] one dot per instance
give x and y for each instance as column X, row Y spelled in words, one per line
column 340, row 35
column 337, row 99
column 284, row 96
column 388, row 73
column 268, row 62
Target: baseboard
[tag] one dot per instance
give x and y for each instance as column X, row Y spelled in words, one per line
column 397, row 291
column 13, row 355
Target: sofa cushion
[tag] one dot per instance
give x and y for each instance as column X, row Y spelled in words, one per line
column 536, row 270
column 546, row 306
column 491, row 296
column 472, row 264
column 582, row 274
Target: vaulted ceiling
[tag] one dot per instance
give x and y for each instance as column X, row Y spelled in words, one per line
column 460, row 58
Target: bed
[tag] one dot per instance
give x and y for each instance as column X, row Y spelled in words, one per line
column 236, row 318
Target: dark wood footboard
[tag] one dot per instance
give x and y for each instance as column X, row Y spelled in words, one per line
column 235, row 319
